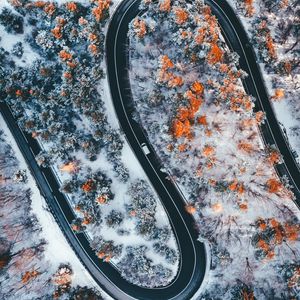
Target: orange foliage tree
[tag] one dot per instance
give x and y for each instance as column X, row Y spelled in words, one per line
column 270, row 46
column 181, row 129
column 245, row 146
column 208, row 151
column 50, row 8
column 191, row 209
column 181, row 126
column 140, row 27
column 200, row 36
column 215, row 54
column 259, row 117
column 249, row 7
column 274, row 156
column 165, row 5
column 236, row 186
column 278, row 95
column 88, row 186
column 102, row 199
column 64, row 55
column 30, row 275
column 71, row 6
column 57, row 32
column 94, row 49
column 175, row 81
column 62, row 279
column 274, row 185
column 102, row 6
column 195, row 102
column 198, row 88
column 202, row 120
column 166, row 76
column 181, row 15
column 217, row 208
column 70, row 167
column 273, row 233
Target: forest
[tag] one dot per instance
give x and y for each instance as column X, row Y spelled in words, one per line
column 52, row 77
column 189, row 97
column 25, row 269
column 273, row 27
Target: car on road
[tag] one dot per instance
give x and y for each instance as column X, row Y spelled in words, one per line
column 145, row 148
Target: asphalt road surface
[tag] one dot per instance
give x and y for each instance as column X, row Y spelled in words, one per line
column 272, row 134
column 193, row 254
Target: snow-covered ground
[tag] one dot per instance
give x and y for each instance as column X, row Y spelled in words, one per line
column 290, row 124
column 86, row 132
column 190, row 100
column 56, row 251
column 282, row 71
column 214, row 153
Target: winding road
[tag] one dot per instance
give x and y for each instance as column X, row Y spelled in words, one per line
column 271, row 132
column 193, row 253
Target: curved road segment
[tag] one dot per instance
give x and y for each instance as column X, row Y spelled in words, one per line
column 192, row 252
column 193, row 255
column 189, row 278
column 117, row 58
column 237, row 39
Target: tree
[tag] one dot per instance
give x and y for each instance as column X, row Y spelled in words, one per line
column 215, row 54
column 12, row 22
column 181, row 15
column 165, row 251
column 62, row 279
column 140, row 270
column 85, row 293
column 5, row 253
column 241, row 291
column 29, row 275
column 114, row 218
column 78, row 225
column 20, row 176
column 43, row 159
column 291, row 274
column 121, row 171
column 18, row 50
column 274, row 185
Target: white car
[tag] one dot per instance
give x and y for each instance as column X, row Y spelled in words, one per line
column 145, row 148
